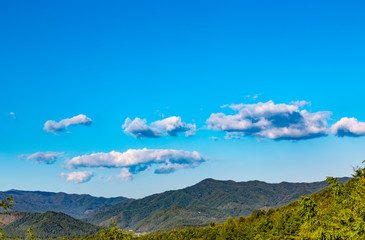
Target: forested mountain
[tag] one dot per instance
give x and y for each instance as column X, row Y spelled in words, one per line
column 74, row 205
column 49, row 225
column 334, row 213
column 209, row 200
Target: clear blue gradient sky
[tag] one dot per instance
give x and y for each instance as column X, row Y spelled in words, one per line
column 112, row 60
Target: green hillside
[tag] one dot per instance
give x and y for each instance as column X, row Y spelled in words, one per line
column 209, row 200
column 75, row 205
column 49, row 225
column 334, row 213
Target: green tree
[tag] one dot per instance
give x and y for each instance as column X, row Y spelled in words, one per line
column 113, row 232
column 5, row 205
column 31, row 235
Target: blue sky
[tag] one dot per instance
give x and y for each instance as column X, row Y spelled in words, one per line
column 153, row 60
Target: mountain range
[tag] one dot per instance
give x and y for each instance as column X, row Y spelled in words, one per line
column 207, row 201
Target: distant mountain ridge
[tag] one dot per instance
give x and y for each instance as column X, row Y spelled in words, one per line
column 75, row 205
column 206, row 201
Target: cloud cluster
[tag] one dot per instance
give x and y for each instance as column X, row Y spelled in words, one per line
column 42, row 157
column 134, row 161
column 53, row 126
column 78, row 177
column 260, row 120
column 168, row 126
column 350, row 127
column 273, row 121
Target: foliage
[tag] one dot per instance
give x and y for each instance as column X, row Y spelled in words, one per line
column 112, row 232
column 30, row 234
column 7, row 204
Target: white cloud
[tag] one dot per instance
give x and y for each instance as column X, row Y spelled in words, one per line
column 301, row 103
column 125, row 175
column 138, row 160
column 168, row 126
column 269, row 120
column 53, row 126
column 173, row 125
column 78, row 177
column 79, row 119
column 138, row 128
column 350, row 127
column 191, row 129
column 42, row 157
column 214, row 138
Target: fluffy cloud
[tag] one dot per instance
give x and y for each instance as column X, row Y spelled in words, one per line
column 43, row 157
column 350, row 127
column 138, row 128
column 269, row 120
column 53, row 126
column 168, row 126
column 78, row 177
column 173, row 125
column 191, row 129
column 125, row 175
column 135, row 161
column 79, row 119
